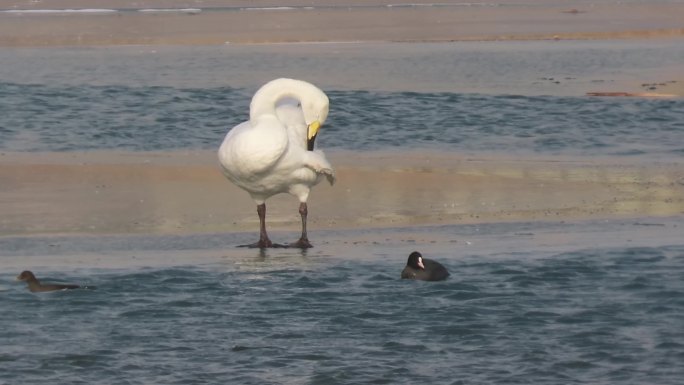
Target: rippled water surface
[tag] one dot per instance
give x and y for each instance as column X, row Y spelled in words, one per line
column 58, row 118
column 525, row 97
column 588, row 316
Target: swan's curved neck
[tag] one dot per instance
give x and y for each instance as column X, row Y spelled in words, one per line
column 265, row 99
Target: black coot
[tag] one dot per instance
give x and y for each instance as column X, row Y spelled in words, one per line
column 424, row 269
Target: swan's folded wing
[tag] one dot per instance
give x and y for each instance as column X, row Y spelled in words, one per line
column 247, row 152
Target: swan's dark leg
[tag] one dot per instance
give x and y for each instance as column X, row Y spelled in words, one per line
column 264, row 242
column 303, row 242
column 263, row 236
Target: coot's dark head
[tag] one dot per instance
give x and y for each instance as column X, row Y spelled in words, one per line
column 26, row 276
column 415, row 260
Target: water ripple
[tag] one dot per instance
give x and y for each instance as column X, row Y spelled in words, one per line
column 588, row 316
column 71, row 118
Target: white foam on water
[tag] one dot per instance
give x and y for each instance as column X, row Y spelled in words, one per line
column 193, row 11
column 93, row 11
column 268, row 8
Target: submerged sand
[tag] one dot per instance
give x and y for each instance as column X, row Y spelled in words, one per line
column 185, row 192
column 271, row 22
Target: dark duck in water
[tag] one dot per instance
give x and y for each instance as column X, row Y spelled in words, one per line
column 35, row 286
column 423, row 269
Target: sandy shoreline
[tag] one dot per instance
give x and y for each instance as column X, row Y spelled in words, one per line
column 332, row 22
column 184, row 192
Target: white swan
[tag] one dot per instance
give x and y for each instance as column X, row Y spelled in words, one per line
column 272, row 153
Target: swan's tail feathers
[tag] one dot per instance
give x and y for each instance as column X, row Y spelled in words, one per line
column 329, row 174
column 316, row 161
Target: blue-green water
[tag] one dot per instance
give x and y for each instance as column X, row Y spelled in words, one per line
column 512, row 322
column 599, row 315
column 500, row 97
column 65, row 118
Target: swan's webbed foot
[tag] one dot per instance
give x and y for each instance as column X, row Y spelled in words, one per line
column 302, row 243
column 261, row 244
column 265, row 245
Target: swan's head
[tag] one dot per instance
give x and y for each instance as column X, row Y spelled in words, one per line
column 313, row 101
column 315, row 108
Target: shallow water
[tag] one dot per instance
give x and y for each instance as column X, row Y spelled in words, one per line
column 593, row 302
column 567, row 68
column 584, row 316
column 72, row 118
column 511, row 97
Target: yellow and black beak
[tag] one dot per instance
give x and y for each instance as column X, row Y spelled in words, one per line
column 311, row 135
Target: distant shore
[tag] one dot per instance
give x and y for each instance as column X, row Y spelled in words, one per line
column 173, row 22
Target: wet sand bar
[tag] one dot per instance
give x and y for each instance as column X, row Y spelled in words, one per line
column 185, row 192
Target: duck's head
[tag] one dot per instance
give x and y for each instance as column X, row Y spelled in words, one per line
column 26, row 275
column 415, row 260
